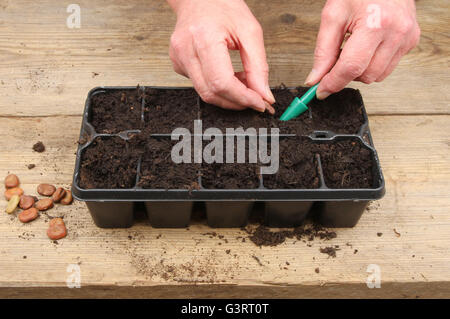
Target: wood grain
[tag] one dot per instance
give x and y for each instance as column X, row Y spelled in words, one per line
column 48, row 69
column 413, row 217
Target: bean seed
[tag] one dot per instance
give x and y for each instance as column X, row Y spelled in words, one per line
column 11, row 181
column 12, row 204
column 67, row 199
column 26, row 201
column 56, row 229
column 46, row 189
column 13, row 191
column 44, row 204
column 28, row 215
column 58, row 194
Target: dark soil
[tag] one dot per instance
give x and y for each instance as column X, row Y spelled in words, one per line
column 112, row 162
column 230, row 176
column 340, row 112
column 109, row 162
column 158, row 171
column 330, row 251
column 166, row 110
column 39, row 147
column 347, row 164
column 263, row 236
column 116, row 111
column 298, row 167
column 213, row 116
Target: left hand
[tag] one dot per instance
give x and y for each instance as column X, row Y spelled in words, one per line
column 382, row 31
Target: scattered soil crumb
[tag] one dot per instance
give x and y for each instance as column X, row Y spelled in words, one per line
column 257, row 260
column 379, row 234
column 330, row 251
column 228, row 251
column 317, row 270
column 355, row 251
column 39, row 147
column 31, row 166
column 263, row 236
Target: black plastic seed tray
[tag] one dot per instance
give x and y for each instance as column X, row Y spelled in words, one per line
column 330, row 205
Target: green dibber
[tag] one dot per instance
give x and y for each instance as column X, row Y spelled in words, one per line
column 298, row 105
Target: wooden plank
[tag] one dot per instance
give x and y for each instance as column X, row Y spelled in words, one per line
column 414, row 153
column 47, row 69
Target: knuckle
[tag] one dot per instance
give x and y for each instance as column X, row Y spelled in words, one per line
column 176, row 43
column 218, row 86
column 327, row 14
column 332, row 11
column 387, row 20
column 196, row 30
column 354, row 68
column 367, row 78
column 405, row 26
column 207, row 96
column 320, row 53
column 255, row 29
column 380, row 78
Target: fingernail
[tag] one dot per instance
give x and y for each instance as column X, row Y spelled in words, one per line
column 261, row 109
column 321, row 95
column 269, row 108
column 310, row 78
column 270, row 95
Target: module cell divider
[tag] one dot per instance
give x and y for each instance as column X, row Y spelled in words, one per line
column 144, row 88
column 138, row 173
column 323, row 185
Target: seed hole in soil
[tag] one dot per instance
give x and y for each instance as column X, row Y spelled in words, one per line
column 109, row 162
column 347, row 164
column 115, row 111
column 166, row 110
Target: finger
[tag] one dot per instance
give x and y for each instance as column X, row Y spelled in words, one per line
column 353, row 61
column 380, row 61
column 242, row 77
column 225, row 104
column 392, row 65
column 253, row 56
column 195, row 74
column 329, row 40
column 218, row 73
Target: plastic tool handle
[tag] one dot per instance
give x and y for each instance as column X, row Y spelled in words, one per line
column 309, row 95
column 298, row 105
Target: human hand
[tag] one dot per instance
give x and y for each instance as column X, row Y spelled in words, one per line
column 204, row 33
column 382, row 31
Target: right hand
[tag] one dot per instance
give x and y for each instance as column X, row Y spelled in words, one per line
column 204, row 33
